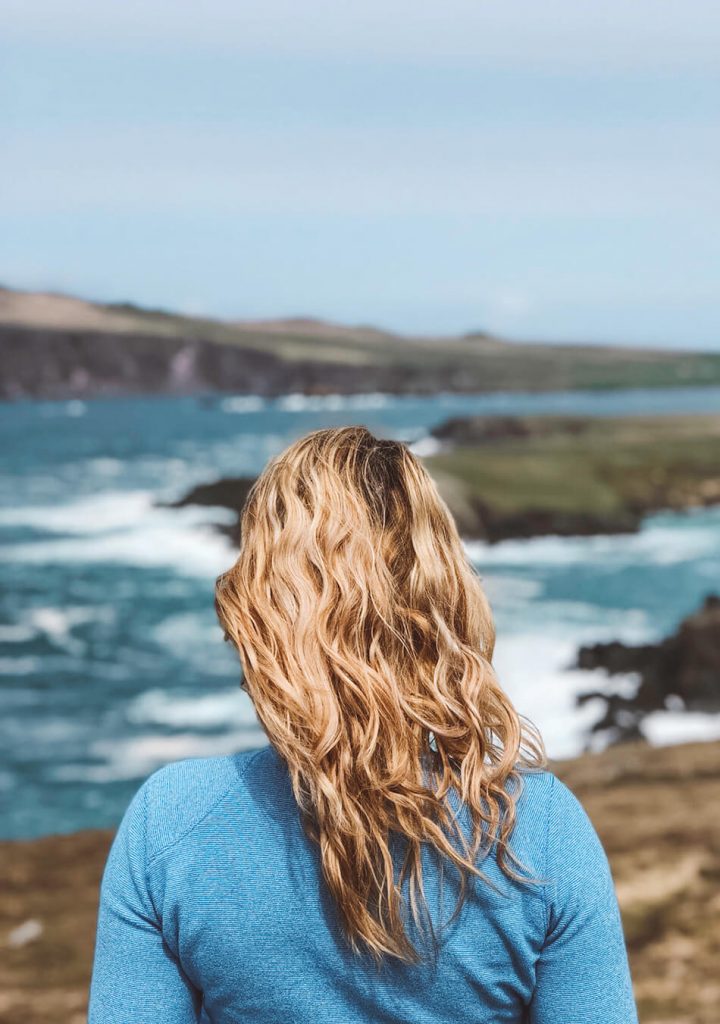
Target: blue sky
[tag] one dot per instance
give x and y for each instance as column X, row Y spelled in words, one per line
column 544, row 170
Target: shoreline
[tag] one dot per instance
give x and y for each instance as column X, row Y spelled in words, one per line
column 64, row 347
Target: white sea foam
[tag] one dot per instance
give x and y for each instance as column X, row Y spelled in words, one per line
column 57, row 623
column 502, row 589
column 425, row 446
column 653, row 545
column 661, row 540
column 96, row 513
column 667, row 727
column 297, row 402
column 124, row 527
column 198, row 640
column 187, row 632
column 579, row 621
column 243, row 403
column 538, row 638
column 226, row 707
column 105, row 467
column 532, row 668
column 137, row 757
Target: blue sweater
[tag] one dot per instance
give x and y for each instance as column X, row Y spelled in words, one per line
column 213, row 909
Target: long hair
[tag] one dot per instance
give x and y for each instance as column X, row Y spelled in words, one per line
column 366, row 642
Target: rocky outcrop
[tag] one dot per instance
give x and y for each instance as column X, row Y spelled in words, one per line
column 681, row 672
column 509, row 477
column 229, row 492
column 482, row 518
column 479, row 520
column 515, row 477
column 471, row 430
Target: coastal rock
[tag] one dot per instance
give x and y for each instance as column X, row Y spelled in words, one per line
column 681, row 672
column 493, row 525
column 475, row 520
column 229, row 492
column 507, row 477
column 470, row 430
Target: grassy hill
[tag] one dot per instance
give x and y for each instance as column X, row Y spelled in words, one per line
column 59, row 346
column 525, row 476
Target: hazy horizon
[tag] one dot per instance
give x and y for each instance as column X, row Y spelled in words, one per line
column 350, row 326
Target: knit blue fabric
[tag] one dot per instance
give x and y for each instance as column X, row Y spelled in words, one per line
column 213, row 909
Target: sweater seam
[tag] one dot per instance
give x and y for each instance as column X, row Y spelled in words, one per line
column 241, row 771
column 146, row 863
column 145, row 830
column 239, row 776
column 547, row 856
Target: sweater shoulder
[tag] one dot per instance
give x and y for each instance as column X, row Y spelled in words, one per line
column 533, row 792
column 566, row 848
column 549, row 809
column 179, row 795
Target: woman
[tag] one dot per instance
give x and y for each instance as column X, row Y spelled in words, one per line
column 308, row 880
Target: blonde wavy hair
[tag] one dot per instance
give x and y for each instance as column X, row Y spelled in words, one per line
column 366, row 642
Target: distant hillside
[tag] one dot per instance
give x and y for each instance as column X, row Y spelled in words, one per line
column 57, row 346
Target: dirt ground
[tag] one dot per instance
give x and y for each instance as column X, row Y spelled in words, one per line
column 657, row 812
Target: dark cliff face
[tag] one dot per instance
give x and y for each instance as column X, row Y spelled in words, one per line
column 38, row 362
column 80, row 350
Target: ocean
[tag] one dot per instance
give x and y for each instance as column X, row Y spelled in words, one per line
column 111, row 659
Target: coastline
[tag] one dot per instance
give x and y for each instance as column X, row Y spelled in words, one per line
column 58, row 346
column 506, row 477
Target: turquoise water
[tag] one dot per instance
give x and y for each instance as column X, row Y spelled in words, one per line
column 111, row 659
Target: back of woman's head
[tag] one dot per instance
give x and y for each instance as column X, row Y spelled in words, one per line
column 366, row 642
